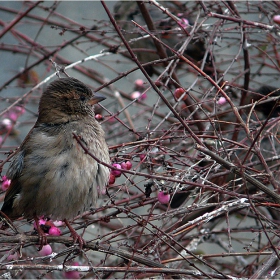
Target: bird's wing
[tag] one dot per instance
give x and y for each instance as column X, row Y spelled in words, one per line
column 16, row 165
column 14, row 173
column 14, row 189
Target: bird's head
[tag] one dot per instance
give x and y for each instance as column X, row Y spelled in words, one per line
column 67, row 99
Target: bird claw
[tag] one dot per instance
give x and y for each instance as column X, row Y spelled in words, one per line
column 42, row 236
column 76, row 237
column 42, row 241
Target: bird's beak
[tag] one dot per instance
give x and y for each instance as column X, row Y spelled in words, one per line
column 96, row 98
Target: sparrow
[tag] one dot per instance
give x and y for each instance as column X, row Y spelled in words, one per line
column 166, row 29
column 51, row 174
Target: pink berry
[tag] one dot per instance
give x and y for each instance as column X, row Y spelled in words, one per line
column 6, row 183
column 7, row 123
column 99, row 117
column 58, row 223
column 14, row 113
column 138, row 95
column 143, row 96
column 139, row 83
column 72, row 274
column 128, row 165
column 112, row 179
column 54, row 231
column 123, row 165
column 116, row 173
column 222, row 100
column 41, row 222
column 163, row 197
column 4, row 178
column 135, row 94
column 13, row 116
column 46, row 250
column 276, row 19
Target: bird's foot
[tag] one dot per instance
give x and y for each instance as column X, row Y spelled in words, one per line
column 75, row 235
column 42, row 236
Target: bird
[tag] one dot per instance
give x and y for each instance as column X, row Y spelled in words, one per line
column 167, row 30
column 52, row 175
column 271, row 108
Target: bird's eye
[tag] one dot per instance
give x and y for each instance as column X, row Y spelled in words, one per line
column 82, row 98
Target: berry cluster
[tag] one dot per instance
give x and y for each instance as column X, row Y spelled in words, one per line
column 50, row 228
column 126, row 165
column 139, row 90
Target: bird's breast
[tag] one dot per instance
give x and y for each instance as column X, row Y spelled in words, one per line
column 59, row 177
